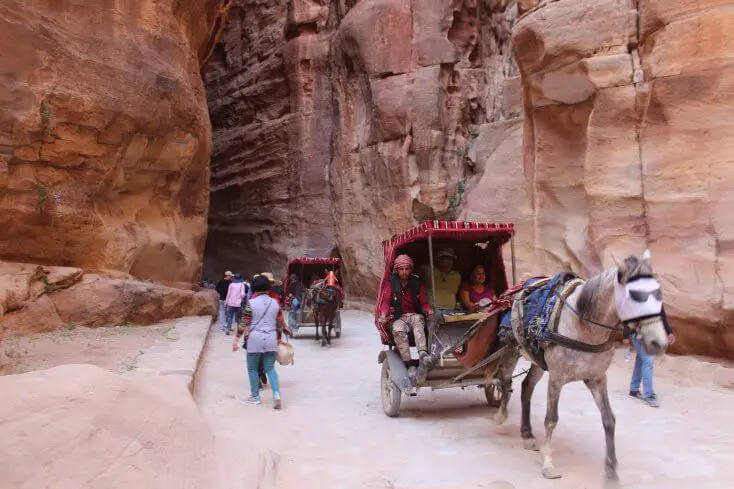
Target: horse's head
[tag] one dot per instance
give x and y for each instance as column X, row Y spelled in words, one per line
column 639, row 302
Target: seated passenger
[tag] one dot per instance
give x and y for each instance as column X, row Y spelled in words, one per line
column 294, row 292
column 447, row 279
column 477, row 290
column 404, row 302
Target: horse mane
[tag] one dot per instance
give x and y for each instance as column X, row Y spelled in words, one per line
column 585, row 301
column 631, row 268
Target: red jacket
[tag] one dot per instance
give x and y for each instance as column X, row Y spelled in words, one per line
column 385, row 304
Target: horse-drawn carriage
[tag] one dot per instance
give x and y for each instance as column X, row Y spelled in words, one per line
column 563, row 325
column 305, row 277
column 461, row 343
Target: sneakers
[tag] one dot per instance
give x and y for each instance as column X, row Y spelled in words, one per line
column 254, row 400
column 276, row 402
column 651, row 401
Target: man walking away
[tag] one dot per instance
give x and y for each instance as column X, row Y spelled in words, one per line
column 222, row 287
column 235, row 296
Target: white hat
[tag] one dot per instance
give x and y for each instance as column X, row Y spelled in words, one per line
column 228, row 274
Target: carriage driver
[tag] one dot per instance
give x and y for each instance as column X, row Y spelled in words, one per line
column 405, row 302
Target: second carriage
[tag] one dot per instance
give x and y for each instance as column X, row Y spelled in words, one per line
column 301, row 274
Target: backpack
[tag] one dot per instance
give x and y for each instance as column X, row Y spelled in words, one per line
column 248, row 294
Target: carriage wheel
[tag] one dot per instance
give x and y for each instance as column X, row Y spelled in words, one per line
column 390, row 392
column 338, row 326
column 494, row 395
column 292, row 324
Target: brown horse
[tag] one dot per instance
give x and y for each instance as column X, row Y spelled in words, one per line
column 325, row 296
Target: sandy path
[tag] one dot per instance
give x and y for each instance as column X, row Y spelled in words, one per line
column 332, row 432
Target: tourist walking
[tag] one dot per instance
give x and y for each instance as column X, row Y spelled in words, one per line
column 262, row 325
column 222, row 288
column 235, row 295
column 644, row 363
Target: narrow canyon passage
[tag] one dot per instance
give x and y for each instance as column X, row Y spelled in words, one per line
column 332, row 433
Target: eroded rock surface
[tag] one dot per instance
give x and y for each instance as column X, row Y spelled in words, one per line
column 337, row 124
column 269, row 93
column 36, row 299
column 79, row 425
column 104, row 134
column 627, row 139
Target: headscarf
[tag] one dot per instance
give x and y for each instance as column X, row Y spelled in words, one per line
column 403, row 260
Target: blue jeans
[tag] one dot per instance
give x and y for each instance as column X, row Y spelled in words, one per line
column 642, row 372
column 233, row 313
column 253, row 359
column 222, row 315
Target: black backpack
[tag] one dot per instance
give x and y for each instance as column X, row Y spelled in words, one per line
column 247, row 294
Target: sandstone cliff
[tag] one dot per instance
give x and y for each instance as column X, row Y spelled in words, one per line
column 104, row 134
column 269, row 92
column 338, row 123
column 104, row 160
column 597, row 126
column 626, row 131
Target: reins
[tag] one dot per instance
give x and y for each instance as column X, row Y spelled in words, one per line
column 615, row 327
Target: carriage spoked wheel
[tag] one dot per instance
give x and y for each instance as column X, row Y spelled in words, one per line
column 338, row 325
column 494, row 395
column 390, row 392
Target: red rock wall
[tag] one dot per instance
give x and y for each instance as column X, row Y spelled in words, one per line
column 269, row 95
column 627, row 107
column 419, row 86
column 104, row 134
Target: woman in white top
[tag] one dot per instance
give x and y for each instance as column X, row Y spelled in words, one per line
column 264, row 324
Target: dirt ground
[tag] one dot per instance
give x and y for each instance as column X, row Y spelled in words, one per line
column 115, row 349
column 332, row 432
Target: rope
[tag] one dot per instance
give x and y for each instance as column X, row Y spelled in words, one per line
column 602, row 325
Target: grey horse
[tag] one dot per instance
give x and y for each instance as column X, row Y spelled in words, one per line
column 591, row 314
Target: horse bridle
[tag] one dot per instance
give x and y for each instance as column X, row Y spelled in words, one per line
column 332, row 294
column 620, row 326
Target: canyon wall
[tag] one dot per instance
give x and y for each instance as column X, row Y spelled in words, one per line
column 600, row 127
column 269, row 93
column 104, row 134
column 627, row 108
column 597, row 126
column 338, row 123
column 105, row 143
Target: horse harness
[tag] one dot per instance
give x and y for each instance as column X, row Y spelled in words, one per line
column 561, row 290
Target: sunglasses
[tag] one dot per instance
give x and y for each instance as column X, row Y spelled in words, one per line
column 641, row 295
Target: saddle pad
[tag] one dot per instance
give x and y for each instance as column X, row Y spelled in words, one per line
column 538, row 304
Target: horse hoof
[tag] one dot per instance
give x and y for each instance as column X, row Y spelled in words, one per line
column 530, row 444
column 499, row 417
column 551, row 473
column 611, row 483
column 612, row 480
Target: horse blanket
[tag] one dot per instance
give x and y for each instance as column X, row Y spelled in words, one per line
column 532, row 315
